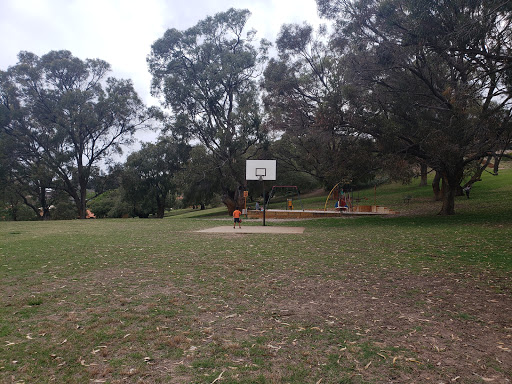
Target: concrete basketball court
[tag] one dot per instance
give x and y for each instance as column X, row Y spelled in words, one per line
column 254, row 229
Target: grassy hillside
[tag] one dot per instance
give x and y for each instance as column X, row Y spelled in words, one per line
column 490, row 200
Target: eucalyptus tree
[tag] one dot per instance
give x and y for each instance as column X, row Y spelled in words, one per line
column 70, row 115
column 196, row 182
column 307, row 106
column 22, row 172
column 207, row 75
column 149, row 176
column 434, row 77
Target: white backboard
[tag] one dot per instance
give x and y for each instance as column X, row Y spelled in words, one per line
column 260, row 170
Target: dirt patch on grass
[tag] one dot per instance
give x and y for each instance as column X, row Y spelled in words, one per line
column 397, row 327
column 437, row 329
column 220, row 320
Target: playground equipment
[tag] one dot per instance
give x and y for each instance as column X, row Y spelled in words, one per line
column 344, row 197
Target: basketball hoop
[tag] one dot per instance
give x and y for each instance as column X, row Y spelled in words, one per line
column 261, row 170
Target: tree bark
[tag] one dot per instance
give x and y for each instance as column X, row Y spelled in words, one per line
column 448, row 207
column 232, row 200
column 497, row 160
column 82, row 204
column 451, row 180
column 161, row 199
column 230, row 203
column 423, row 174
column 438, row 191
column 160, row 208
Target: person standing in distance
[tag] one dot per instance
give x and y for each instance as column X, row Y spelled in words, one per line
column 236, row 218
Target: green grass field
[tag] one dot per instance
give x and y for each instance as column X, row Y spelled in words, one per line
column 409, row 298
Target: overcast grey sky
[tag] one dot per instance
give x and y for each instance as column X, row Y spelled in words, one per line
column 121, row 32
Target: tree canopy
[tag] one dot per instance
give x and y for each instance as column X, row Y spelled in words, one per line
column 434, row 78
column 150, row 175
column 207, row 75
column 306, row 102
column 392, row 84
column 67, row 114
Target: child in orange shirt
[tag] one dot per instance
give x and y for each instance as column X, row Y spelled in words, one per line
column 236, row 218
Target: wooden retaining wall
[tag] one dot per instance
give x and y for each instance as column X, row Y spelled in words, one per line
column 308, row 214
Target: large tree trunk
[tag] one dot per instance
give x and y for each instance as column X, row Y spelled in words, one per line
column 233, row 200
column 229, row 202
column 82, row 204
column 497, row 160
column 496, row 165
column 423, row 174
column 160, row 203
column 438, row 191
column 81, row 200
column 451, row 185
column 448, row 207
